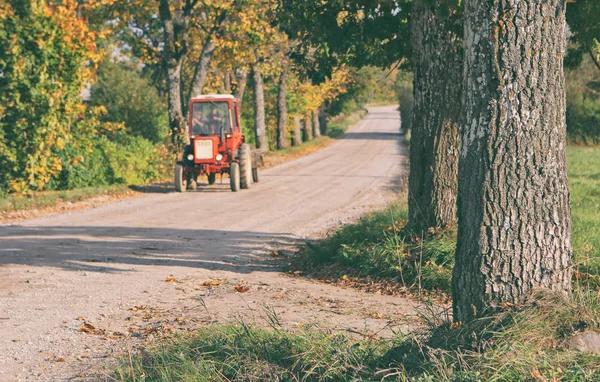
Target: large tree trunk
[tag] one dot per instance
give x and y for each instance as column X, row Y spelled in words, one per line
column 241, row 77
column 434, row 144
column 260, row 129
column 514, row 230
column 282, row 111
column 316, row 126
column 297, row 138
column 201, row 71
column 307, row 127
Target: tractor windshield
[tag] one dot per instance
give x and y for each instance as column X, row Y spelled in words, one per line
column 209, row 118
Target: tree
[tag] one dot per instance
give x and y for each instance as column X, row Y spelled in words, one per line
column 514, row 231
column 260, row 129
column 131, row 99
column 282, row 110
column 582, row 18
column 47, row 54
column 437, row 64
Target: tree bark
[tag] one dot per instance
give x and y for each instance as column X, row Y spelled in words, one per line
column 260, row 129
column 514, row 230
column 297, row 138
column 323, row 120
column 434, row 145
column 175, row 35
column 282, row 111
column 307, row 127
column 227, row 82
column 201, row 71
column 241, row 77
column 316, row 126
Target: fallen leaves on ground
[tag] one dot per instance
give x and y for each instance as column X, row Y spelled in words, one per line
column 90, row 329
column 171, row 279
column 241, row 288
column 211, row 282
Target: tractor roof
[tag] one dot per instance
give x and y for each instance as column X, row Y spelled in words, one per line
column 212, row 96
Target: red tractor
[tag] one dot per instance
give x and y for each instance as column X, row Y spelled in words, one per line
column 216, row 145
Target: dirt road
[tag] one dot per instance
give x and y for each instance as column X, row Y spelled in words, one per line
column 108, row 266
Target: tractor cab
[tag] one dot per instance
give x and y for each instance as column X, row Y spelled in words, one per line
column 216, row 145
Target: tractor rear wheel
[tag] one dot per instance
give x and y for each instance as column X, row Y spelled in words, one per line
column 180, row 182
column 234, row 176
column 212, row 178
column 245, row 165
column 255, row 174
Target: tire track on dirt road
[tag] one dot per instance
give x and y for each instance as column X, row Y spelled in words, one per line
column 105, row 264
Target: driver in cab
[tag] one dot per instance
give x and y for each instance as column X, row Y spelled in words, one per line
column 199, row 124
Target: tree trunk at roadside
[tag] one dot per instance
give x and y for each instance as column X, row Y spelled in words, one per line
column 323, row 120
column 297, row 138
column 514, row 231
column 241, row 77
column 307, row 136
column 260, row 129
column 175, row 35
column 434, row 144
column 282, row 111
column 316, row 126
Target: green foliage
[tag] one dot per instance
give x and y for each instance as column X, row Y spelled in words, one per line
column 359, row 33
column 369, row 85
column 583, row 103
column 130, row 99
column 45, row 54
column 582, row 18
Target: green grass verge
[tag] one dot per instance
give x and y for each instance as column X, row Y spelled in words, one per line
column 584, row 180
column 522, row 344
column 48, row 199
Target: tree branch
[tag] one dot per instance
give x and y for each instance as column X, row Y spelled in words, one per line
column 594, row 59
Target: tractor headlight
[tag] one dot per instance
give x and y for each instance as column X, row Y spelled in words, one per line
column 219, row 157
column 190, row 157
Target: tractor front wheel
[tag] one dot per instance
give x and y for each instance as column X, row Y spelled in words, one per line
column 245, row 165
column 234, row 176
column 255, row 174
column 180, row 181
column 212, row 178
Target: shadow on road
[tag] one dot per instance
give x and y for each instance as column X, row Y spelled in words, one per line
column 169, row 187
column 108, row 249
column 373, row 136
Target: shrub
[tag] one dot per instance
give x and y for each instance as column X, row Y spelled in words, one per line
column 130, row 99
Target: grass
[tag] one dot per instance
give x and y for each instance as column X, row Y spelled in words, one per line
column 525, row 343
column 584, row 180
column 48, row 199
column 521, row 344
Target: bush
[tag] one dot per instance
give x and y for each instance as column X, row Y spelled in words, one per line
column 130, row 99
